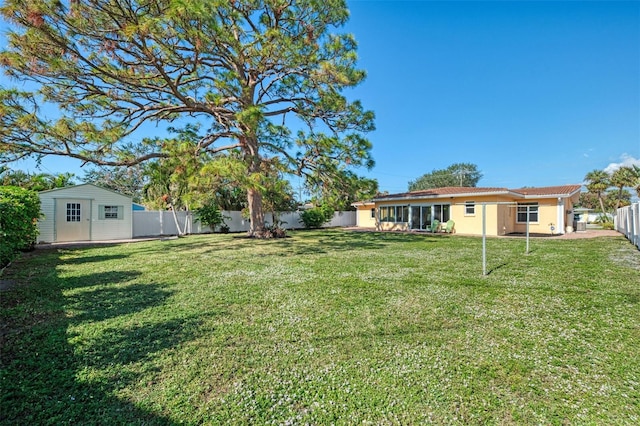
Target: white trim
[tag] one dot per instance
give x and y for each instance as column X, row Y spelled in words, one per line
column 560, row 219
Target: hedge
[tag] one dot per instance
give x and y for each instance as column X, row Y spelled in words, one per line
column 19, row 213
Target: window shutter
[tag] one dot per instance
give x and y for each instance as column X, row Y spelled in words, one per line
column 120, row 212
column 101, row 212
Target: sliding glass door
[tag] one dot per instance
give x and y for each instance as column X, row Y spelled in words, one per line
column 422, row 216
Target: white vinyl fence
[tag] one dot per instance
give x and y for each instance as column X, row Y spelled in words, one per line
column 627, row 222
column 161, row 223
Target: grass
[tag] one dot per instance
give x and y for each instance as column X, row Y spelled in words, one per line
column 324, row 327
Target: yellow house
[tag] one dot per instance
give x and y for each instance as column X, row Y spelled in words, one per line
column 546, row 210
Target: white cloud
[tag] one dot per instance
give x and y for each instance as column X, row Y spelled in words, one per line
column 627, row 161
column 586, row 154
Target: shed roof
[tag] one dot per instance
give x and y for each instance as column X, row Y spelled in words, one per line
column 67, row 188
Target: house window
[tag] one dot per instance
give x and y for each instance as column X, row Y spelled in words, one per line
column 110, row 212
column 394, row 214
column 73, row 212
column 441, row 212
column 373, row 213
column 402, row 214
column 387, row 214
column 522, row 212
column 469, row 208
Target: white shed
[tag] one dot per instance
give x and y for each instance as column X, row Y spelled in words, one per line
column 84, row 213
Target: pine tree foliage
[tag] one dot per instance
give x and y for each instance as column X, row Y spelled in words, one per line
column 264, row 77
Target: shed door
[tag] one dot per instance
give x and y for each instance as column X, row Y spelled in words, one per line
column 73, row 220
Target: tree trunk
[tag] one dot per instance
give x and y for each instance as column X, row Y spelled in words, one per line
column 175, row 219
column 254, row 197
column 601, row 204
column 620, row 189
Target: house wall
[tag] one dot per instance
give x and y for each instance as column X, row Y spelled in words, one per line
column 391, row 226
column 495, row 220
column 465, row 224
column 505, row 219
column 501, row 214
column 100, row 229
column 363, row 216
column 547, row 217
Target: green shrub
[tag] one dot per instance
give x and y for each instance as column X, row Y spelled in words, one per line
column 316, row 217
column 19, row 213
column 211, row 216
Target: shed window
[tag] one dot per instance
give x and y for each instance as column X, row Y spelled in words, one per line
column 73, row 212
column 111, row 212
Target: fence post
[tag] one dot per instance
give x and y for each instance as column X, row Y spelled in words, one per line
column 635, row 209
column 628, row 223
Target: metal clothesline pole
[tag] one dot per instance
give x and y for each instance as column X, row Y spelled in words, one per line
column 511, row 204
column 484, row 239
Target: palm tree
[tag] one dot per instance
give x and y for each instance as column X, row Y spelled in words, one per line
column 35, row 181
column 61, row 180
column 636, row 181
column 597, row 182
column 621, row 178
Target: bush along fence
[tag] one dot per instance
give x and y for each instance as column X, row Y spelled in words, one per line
column 163, row 223
column 19, row 213
column 627, row 222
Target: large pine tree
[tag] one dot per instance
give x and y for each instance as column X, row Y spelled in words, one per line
column 261, row 77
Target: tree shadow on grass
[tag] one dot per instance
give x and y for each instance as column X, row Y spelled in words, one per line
column 107, row 302
column 51, row 374
column 94, row 259
column 310, row 242
column 104, row 279
column 344, row 241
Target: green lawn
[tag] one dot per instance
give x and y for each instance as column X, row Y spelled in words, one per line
column 324, row 327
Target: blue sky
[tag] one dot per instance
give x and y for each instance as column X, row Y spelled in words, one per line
column 535, row 93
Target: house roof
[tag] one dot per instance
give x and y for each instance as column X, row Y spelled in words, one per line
column 439, row 192
column 363, row 203
column 549, row 191
column 457, row 191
